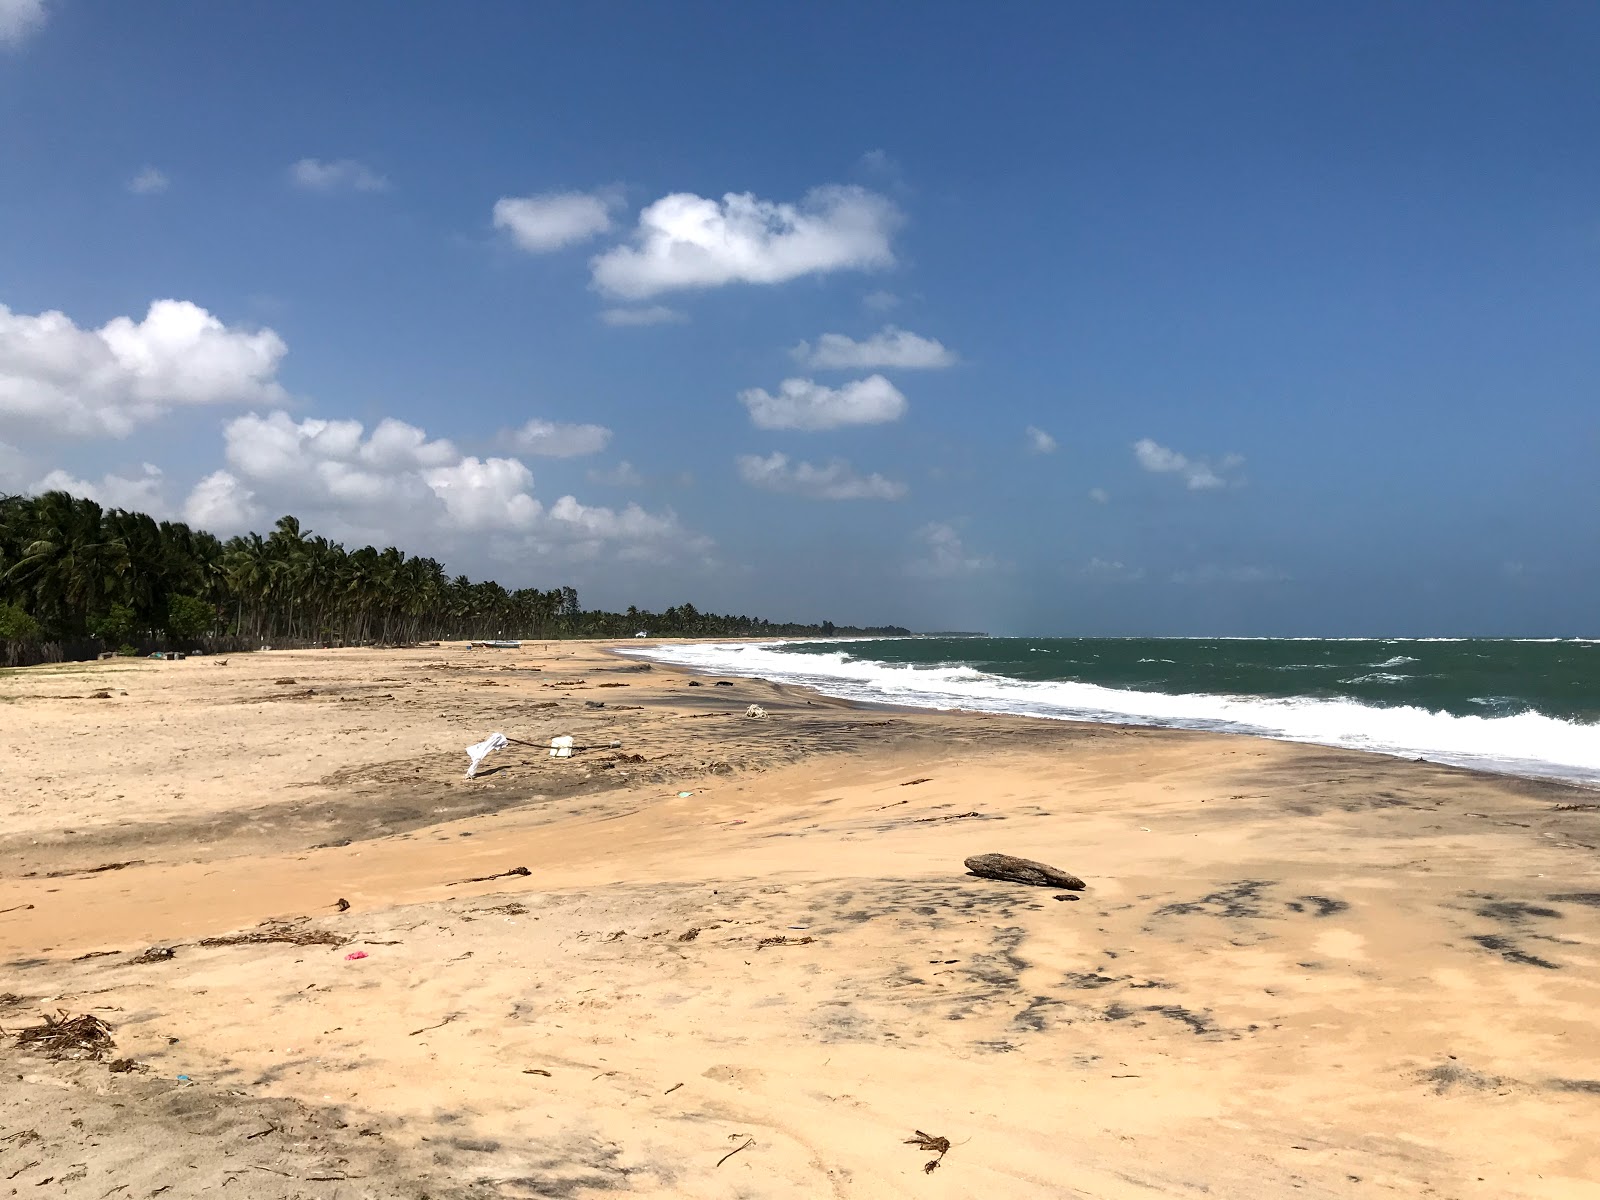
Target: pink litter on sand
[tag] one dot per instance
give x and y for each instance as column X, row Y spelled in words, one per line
column 355, row 954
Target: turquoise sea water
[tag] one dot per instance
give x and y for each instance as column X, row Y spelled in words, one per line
column 1527, row 707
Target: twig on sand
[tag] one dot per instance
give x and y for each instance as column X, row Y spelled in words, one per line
column 914, row 782
column 487, row 878
column 448, row 1018
column 748, row 1143
column 672, row 1089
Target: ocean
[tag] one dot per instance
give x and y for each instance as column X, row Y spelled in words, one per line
column 1522, row 707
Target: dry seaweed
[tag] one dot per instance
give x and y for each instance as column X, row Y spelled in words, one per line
column 747, row 1144
column 155, row 954
column 781, row 940
column 689, row 935
column 277, row 933
column 487, row 878
column 926, row 1141
column 64, row 1037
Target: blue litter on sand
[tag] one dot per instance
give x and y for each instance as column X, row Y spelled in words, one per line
column 184, row 1079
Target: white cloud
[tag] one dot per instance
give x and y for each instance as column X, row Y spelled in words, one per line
column 551, row 439
column 624, row 474
column 1110, row 571
column 551, row 220
column 1039, row 442
column 1199, row 474
column 947, row 553
column 220, row 503
column 341, row 175
column 19, row 19
column 836, row 480
column 1210, row 573
column 139, row 493
column 880, row 301
column 395, row 485
column 150, row 181
column 889, row 347
column 656, row 314
column 106, row 381
column 688, row 241
column 803, row 404
column 1099, row 495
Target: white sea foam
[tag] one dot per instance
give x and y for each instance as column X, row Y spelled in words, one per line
column 1527, row 743
column 1399, row 660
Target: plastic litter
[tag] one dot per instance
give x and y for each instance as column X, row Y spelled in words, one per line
column 684, row 795
column 755, row 711
column 354, row 955
column 561, row 747
column 184, row 1079
column 481, row 751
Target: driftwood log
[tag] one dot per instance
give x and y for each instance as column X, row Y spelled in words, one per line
column 1022, row 870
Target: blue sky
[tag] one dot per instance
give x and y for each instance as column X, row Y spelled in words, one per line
column 1146, row 318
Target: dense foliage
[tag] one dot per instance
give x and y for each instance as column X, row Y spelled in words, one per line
column 70, row 569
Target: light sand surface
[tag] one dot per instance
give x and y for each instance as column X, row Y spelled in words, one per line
column 1295, row 971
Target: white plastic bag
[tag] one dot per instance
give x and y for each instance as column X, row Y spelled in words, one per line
column 561, row 747
column 495, row 741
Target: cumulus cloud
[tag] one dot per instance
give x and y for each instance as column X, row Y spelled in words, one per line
column 20, row 19
column 946, row 554
column 150, row 181
column 1211, row 573
column 395, row 484
column 1103, row 570
column 337, row 175
column 1197, row 473
column 836, row 480
column 221, row 503
column 624, row 474
column 890, row 347
column 137, row 493
column 106, row 381
column 688, row 241
column 656, row 314
column 803, row 404
column 551, row 220
column 552, row 439
column 1039, row 442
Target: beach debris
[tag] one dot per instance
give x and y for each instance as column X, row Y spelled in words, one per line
column 748, row 1143
column 286, row 682
column 125, row 1066
column 355, row 956
column 155, row 954
column 501, row 875
column 1577, row 808
column 958, row 817
column 275, row 931
column 113, row 866
column 481, row 750
column 689, row 935
column 594, row 703
column 782, row 940
column 722, row 683
column 914, row 782
column 16, row 908
column 1010, row 869
column 102, row 694
column 611, row 685
column 755, row 712
column 537, row 1071
column 926, row 1141
column 695, row 683
column 342, row 904
column 64, row 1037
column 561, row 747
column 447, row 1019
column 672, row 1089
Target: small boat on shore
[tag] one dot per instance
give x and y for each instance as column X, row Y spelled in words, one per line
column 497, row 645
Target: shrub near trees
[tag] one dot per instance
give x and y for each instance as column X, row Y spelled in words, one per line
column 70, row 568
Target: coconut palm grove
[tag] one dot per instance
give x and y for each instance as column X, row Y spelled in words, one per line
column 71, row 570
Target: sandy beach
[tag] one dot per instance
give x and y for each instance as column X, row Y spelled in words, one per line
column 736, row 957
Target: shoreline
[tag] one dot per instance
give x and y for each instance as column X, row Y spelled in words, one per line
column 763, row 928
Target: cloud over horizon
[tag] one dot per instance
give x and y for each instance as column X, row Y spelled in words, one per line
column 61, row 379
column 684, row 241
column 553, row 439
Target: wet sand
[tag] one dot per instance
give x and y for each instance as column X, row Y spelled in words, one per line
column 1294, row 970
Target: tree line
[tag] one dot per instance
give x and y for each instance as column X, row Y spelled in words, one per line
column 71, row 569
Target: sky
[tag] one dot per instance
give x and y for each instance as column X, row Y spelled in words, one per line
column 1026, row 318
